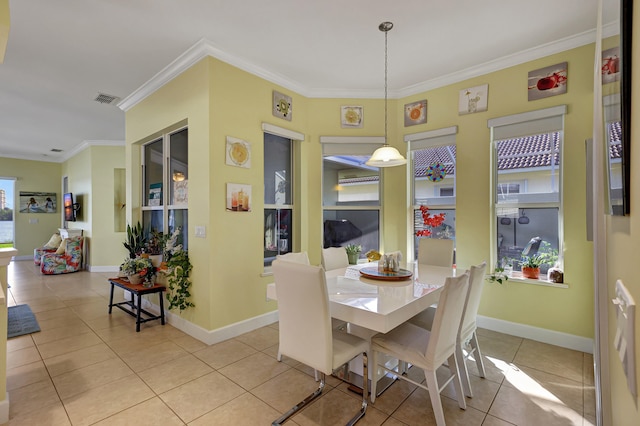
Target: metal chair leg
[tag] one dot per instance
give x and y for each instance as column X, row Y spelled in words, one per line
column 365, row 391
column 301, row 404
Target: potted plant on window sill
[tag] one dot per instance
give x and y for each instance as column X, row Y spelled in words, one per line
column 353, row 253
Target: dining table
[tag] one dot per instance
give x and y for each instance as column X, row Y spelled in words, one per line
column 371, row 304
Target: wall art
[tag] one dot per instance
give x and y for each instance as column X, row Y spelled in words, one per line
column 473, row 99
column 548, row 81
column 282, row 106
column 351, row 116
column 611, row 65
column 238, row 152
column 38, row 202
column 238, row 197
column 415, row 113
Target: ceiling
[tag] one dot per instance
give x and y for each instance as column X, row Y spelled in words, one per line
column 60, row 55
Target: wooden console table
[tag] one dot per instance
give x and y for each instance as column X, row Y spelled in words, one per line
column 133, row 309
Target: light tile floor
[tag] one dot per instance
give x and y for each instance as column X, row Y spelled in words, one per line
column 88, row 368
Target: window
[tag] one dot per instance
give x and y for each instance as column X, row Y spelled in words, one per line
column 433, row 182
column 165, row 176
column 350, row 192
column 527, row 166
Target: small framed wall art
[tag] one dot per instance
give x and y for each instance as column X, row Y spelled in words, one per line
column 38, row 202
column 238, row 152
column 415, row 113
column 351, row 116
column 473, row 99
column 238, row 197
column 611, row 65
column 548, row 81
column 282, row 106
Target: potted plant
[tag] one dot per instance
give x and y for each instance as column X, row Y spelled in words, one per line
column 498, row 275
column 353, row 253
column 178, row 269
column 138, row 269
column 154, row 246
column 135, row 240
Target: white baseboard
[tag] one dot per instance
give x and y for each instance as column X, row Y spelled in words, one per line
column 211, row 337
column 102, row 268
column 27, row 257
column 557, row 338
column 4, row 409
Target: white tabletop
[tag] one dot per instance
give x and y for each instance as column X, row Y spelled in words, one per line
column 380, row 305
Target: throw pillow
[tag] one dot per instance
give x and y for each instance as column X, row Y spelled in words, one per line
column 54, row 241
column 62, row 247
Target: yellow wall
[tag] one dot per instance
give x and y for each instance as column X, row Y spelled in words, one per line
column 38, row 176
column 623, row 246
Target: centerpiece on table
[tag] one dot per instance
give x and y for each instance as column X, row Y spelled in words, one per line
column 353, row 253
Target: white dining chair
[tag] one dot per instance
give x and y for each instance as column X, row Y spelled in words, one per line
column 428, row 349
column 334, row 258
column 305, row 328
column 435, row 251
column 467, row 331
column 297, row 257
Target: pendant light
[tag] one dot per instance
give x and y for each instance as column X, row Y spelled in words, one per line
column 386, row 156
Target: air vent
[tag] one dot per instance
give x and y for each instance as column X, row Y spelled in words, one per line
column 56, row 150
column 103, row 98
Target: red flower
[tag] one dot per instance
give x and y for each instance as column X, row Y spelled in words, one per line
column 430, row 221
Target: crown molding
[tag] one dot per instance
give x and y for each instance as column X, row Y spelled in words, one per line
column 203, row 48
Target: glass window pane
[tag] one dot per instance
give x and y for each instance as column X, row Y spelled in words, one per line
column 178, row 219
column 277, row 233
column 447, row 228
column 532, row 164
column 152, row 220
column 348, row 181
column 516, row 228
column 178, row 164
column 434, row 175
column 277, row 170
column 153, row 177
column 342, row 227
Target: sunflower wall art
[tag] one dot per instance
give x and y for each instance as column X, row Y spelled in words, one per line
column 351, row 116
column 415, row 113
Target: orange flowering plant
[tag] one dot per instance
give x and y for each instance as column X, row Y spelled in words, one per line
column 430, row 221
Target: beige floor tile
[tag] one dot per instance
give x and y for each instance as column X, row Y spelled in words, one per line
column 417, row 410
column 391, row 398
column 31, row 398
column 132, row 342
column 53, row 334
column 22, row 357
column 50, row 415
column 56, row 314
column 494, row 368
column 224, row 353
column 552, row 359
column 494, row 421
column 484, row 391
column 47, row 304
column 20, row 342
column 502, row 347
column 174, row 373
column 393, row 422
column 272, row 351
column 332, row 408
column 152, row 412
column 68, row 344
column 254, row 370
column 91, row 376
column 260, row 339
column 330, row 380
column 533, row 407
column 101, row 402
column 26, row 374
column 286, row 390
column 198, row 397
column 153, row 355
column 244, row 410
column 188, row 343
column 588, row 370
column 78, row 359
column 589, row 401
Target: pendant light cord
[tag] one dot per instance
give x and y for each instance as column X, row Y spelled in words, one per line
column 386, row 62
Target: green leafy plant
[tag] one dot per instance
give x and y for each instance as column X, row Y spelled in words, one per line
column 545, row 256
column 178, row 269
column 135, row 241
column 136, row 265
column 498, row 275
column 353, row 248
column 155, row 243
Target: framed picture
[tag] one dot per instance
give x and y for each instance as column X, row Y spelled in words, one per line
column 473, row 99
column 238, row 197
column 611, row 65
column 282, row 107
column 415, row 113
column 548, row 81
column 38, row 202
column 238, row 153
column 351, row 116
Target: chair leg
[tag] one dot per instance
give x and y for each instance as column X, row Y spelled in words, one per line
column 434, row 395
column 365, row 391
column 374, row 373
column 464, row 373
column 455, row 372
column 478, row 354
column 301, row 404
column 279, row 356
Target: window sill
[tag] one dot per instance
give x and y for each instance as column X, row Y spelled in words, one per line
column 517, row 277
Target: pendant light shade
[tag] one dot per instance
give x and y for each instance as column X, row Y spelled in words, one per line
column 386, row 156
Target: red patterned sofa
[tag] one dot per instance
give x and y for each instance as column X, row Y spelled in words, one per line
column 68, row 257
